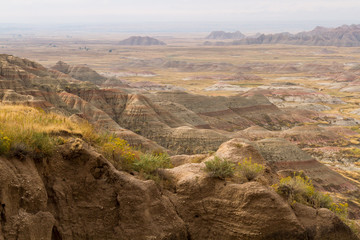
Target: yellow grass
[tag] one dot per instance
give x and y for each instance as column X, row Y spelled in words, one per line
column 19, row 118
column 25, row 130
column 38, row 131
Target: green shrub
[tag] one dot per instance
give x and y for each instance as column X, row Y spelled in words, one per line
column 157, row 151
column 220, row 168
column 250, row 170
column 148, row 164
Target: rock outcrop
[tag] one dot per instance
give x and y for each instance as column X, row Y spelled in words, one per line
column 141, row 41
column 225, row 35
column 80, row 72
column 241, row 211
column 78, row 194
column 214, row 210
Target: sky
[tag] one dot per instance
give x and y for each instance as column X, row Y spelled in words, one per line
column 325, row 12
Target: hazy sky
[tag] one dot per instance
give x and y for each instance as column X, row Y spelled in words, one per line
column 114, row 11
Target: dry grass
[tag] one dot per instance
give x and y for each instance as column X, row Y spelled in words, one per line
column 27, row 131
column 18, row 118
column 33, row 130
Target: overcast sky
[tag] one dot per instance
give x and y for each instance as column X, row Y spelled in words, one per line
column 115, row 11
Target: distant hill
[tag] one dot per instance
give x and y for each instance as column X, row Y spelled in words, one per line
column 79, row 72
column 225, row 35
column 141, row 41
column 343, row 36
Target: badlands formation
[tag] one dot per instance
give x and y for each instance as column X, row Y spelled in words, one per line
column 343, row 36
column 141, row 41
column 287, row 127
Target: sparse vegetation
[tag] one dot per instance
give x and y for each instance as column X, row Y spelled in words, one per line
column 126, row 158
column 148, row 164
column 250, row 170
column 299, row 188
column 220, row 168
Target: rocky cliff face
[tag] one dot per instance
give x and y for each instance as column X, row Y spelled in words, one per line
column 78, row 194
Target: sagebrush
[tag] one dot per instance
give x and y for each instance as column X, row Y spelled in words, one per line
column 119, row 152
column 220, row 168
column 249, row 170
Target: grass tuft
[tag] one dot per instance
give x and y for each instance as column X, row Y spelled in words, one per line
column 220, row 168
column 31, row 131
column 148, row 164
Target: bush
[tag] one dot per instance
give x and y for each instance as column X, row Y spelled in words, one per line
column 220, row 168
column 300, row 189
column 250, row 170
column 119, row 152
column 340, row 209
column 148, row 164
column 4, row 143
column 297, row 188
column 322, row 200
